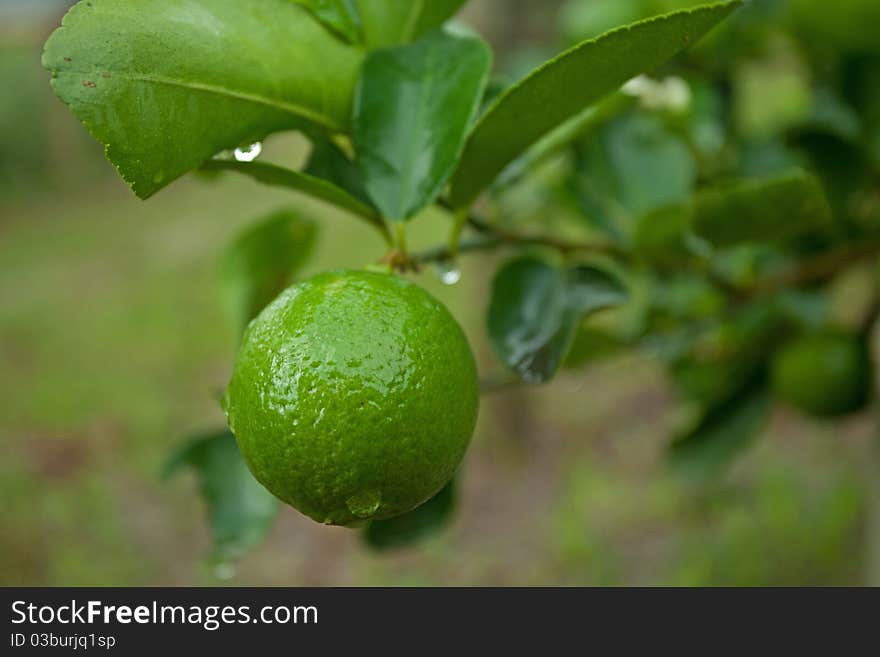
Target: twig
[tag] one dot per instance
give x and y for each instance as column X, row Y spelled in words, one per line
column 493, row 237
column 501, row 382
column 815, row 270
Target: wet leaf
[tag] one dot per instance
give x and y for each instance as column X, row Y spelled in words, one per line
column 224, row 73
column 413, row 109
column 536, row 309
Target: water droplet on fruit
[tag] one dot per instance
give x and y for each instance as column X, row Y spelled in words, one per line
column 248, row 153
column 448, row 273
column 365, row 503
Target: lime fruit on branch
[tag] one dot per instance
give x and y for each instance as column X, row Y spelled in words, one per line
column 354, row 397
column 825, row 375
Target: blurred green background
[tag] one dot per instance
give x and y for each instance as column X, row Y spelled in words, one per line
column 114, row 347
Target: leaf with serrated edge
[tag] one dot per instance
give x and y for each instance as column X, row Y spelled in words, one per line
column 568, row 84
column 165, row 85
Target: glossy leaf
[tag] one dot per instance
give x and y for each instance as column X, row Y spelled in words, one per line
column 262, row 262
column 392, row 22
column 270, row 174
column 722, row 433
column 566, row 85
column 402, row 531
column 413, row 109
column 240, row 510
column 536, row 309
column 340, row 16
column 767, row 210
column 328, row 162
column 166, row 85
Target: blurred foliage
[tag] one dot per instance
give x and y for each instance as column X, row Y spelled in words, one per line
column 262, row 262
column 241, row 511
column 743, row 181
column 24, row 132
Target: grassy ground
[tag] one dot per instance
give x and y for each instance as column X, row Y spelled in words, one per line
column 113, row 348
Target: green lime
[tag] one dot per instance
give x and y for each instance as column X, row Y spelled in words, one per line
column 354, row 397
column 826, row 374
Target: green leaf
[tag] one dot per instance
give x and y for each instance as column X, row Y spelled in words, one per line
column 262, row 262
column 402, row 531
column 768, row 210
column 660, row 236
column 653, row 167
column 413, row 108
column 771, row 95
column 166, row 85
column 392, row 22
column 241, row 511
column 634, row 165
column 722, row 433
column 566, row 85
column 329, row 162
column 536, row 309
column 562, row 136
column 340, row 16
column 579, row 20
column 847, row 25
column 270, row 174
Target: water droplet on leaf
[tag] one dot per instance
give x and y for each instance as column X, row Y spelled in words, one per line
column 248, row 153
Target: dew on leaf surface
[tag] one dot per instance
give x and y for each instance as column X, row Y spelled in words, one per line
column 248, row 153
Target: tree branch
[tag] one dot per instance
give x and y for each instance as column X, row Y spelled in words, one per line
column 814, row 270
column 493, row 237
